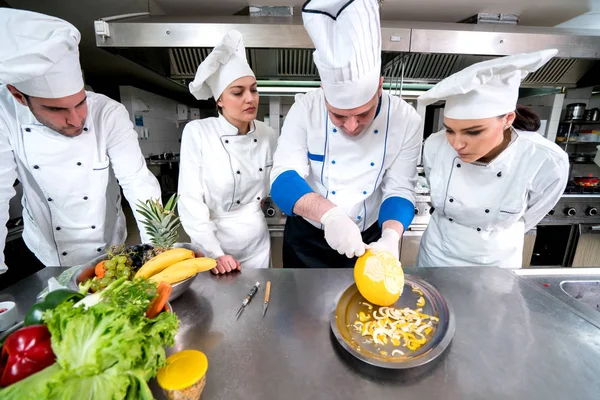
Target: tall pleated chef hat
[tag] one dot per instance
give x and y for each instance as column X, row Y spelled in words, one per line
column 225, row 64
column 347, row 39
column 39, row 54
column 487, row 89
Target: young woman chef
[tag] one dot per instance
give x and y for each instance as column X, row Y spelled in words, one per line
column 225, row 163
column 492, row 177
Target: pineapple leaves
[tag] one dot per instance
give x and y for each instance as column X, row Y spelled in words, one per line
column 161, row 223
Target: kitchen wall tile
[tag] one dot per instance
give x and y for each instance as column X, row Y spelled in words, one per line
column 161, row 120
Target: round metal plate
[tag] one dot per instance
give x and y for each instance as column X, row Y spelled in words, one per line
column 346, row 313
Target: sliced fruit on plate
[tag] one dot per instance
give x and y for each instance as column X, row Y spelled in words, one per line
column 379, row 277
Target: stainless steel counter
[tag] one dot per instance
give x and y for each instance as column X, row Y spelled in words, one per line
column 552, row 281
column 512, row 341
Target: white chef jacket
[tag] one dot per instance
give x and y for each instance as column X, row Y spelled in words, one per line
column 482, row 211
column 71, row 200
column 355, row 173
column 223, row 179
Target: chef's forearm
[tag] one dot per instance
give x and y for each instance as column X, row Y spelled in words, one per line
column 312, row 206
column 398, row 210
column 394, row 225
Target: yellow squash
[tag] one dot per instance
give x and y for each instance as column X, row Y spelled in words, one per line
column 162, row 261
column 379, row 277
column 183, row 270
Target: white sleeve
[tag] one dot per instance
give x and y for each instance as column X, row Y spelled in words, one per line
column 8, row 175
column 548, row 187
column 292, row 147
column 400, row 178
column 129, row 165
column 194, row 213
column 430, row 148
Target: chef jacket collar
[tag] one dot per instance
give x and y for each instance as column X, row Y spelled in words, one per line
column 514, row 137
column 228, row 129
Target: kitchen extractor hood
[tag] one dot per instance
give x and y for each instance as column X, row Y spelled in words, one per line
column 280, row 49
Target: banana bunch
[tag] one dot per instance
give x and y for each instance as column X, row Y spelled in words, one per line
column 174, row 266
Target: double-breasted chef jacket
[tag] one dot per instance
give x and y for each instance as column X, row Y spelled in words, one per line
column 71, row 199
column 371, row 176
column 482, row 211
column 223, row 180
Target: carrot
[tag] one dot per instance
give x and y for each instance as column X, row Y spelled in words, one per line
column 100, row 269
column 163, row 292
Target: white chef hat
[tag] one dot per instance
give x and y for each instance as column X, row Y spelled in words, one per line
column 487, row 89
column 39, row 54
column 347, row 39
column 225, row 64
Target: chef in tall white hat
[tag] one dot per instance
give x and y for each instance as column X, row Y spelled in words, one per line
column 60, row 141
column 345, row 167
column 492, row 176
column 225, row 163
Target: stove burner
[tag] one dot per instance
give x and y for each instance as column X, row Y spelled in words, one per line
column 576, row 189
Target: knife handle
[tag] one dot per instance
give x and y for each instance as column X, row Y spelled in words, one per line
column 268, row 292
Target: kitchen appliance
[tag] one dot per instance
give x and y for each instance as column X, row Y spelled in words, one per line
column 411, row 239
column 276, row 224
column 587, row 181
column 580, row 158
column 569, row 235
column 279, row 49
column 575, row 111
column 592, row 115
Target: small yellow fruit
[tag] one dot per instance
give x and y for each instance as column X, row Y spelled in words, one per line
column 379, row 277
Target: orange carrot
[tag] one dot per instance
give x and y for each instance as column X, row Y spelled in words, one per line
column 100, row 269
column 163, row 292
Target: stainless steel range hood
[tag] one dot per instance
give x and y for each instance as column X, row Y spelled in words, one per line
column 413, row 52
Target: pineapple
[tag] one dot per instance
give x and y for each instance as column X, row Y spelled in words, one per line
column 161, row 224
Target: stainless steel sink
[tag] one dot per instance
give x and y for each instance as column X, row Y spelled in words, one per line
column 587, row 292
column 577, row 288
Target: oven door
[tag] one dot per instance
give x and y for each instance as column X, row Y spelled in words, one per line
column 554, row 245
column 587, row 251
column 276, row 237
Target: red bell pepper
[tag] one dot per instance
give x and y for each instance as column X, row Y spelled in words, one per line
column 24, row 353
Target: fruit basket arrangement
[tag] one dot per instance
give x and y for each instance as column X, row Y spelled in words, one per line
column 165, row 260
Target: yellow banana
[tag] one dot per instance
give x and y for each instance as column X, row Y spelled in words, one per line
column 202, row 263
column 183, row 270
column 162, row 261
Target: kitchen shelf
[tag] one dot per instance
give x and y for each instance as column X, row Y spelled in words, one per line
column 581, row 122
column 564, row 142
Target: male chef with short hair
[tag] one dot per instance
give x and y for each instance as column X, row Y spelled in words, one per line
column 345, row 168
column 61, row 142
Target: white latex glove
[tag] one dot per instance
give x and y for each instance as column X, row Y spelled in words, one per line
column 389, row 242
column 342, row 234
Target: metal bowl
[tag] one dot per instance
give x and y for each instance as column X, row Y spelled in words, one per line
column 86, row 271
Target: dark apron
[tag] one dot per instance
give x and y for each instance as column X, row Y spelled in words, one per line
column 304, row 246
